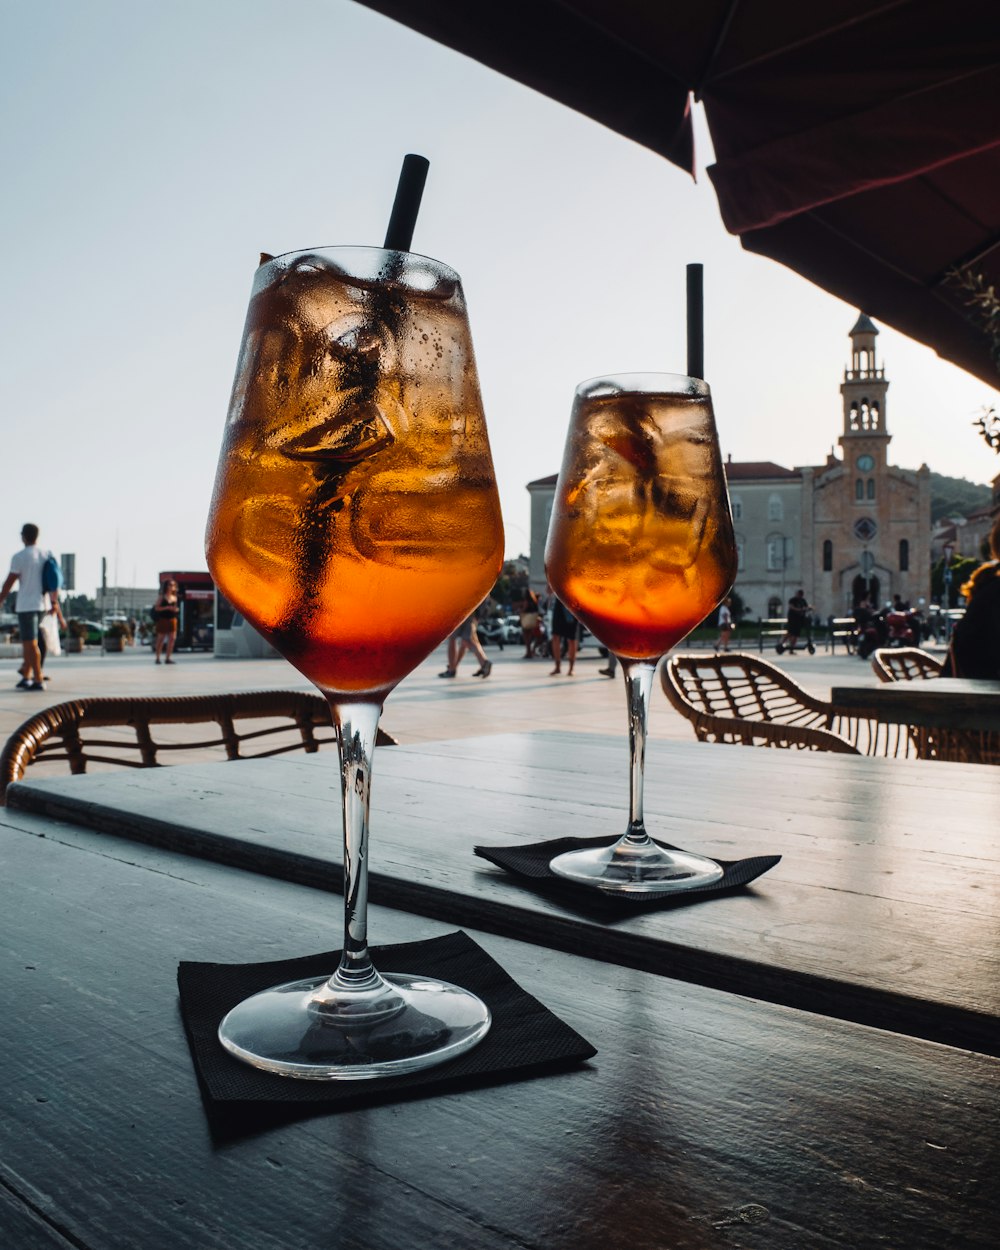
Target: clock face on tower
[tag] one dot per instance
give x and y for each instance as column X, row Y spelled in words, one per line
column 866, row 463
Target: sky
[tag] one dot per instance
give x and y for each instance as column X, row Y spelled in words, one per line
column 152, row 148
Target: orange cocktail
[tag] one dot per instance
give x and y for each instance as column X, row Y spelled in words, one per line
column 355, row 520
column 641, row 545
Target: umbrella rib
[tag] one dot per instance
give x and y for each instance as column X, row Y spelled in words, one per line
column 772, row 53
column 928, row 284
column 716, row 48
column 971, row 258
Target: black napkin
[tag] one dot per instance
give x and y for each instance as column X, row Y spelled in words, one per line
column 524, row 1039
column 532, row 860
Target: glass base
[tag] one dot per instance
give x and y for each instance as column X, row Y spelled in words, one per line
column 305, row 1030
column 636, row 868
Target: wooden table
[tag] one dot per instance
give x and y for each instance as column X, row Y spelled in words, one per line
column 939, row 702
column 707, row 1121
column 949, row 718
column 881, row 912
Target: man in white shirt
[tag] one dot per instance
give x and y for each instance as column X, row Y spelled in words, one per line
column 32, row 603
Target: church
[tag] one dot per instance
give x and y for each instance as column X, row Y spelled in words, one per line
column 853, row 528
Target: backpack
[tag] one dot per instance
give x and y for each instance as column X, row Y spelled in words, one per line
column 52, row 578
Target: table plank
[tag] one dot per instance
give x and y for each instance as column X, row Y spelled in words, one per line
column 883, row 909
column 707, row 1120
column 939, row 703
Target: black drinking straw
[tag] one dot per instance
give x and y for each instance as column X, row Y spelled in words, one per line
column 406, row 205
column 695, row 321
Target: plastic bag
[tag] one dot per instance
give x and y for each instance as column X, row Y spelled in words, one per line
column 50, row 628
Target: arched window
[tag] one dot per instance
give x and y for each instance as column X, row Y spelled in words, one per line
column 871, row 488
column 859, row 489
column 775, row 511
column 904, row 555
column 737, row 505
column 827, row 556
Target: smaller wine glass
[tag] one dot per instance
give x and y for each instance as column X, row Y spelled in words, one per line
column 640, row 548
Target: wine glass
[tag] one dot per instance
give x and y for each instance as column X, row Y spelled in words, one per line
column 355, row 523
column 640, row 548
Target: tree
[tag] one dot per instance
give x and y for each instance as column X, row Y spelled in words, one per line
column 512, row 584
column 962, row 568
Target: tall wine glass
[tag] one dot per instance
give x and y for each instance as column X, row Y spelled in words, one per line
column 640, row 548
column 355, row 523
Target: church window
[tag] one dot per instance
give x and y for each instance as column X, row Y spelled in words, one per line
column 859, row 489
column 775, row 511
column 827, row 556
column 904, row 555
column 871, row 488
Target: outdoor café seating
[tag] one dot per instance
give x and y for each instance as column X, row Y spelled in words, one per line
column 904, row 664
column 738, row 698
column 248, row 724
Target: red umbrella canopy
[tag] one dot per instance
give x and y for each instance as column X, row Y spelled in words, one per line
column 859, row 144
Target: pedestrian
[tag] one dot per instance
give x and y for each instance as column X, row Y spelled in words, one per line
column 32, row 604
column 466, row 638
column 611, row 667
column 725, row 625
column 798, row 618
column 529, row 618
column 166, row 614
column 565, row 629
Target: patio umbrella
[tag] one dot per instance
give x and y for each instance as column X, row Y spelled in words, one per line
column 857, row 143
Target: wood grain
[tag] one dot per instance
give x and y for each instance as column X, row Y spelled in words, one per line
column 883, row 909
column 707, row 1121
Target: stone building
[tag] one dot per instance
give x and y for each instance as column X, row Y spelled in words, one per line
column 855, row 527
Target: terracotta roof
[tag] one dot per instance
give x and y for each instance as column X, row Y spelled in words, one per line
column 749, row 470
column 736, row 471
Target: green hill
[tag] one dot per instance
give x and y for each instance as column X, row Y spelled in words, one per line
column 956, row 496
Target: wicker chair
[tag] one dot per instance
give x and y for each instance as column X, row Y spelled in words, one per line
column 63, row 733
column 904, row 664
column 743, row 699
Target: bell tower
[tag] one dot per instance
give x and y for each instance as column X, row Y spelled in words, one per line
column 866, row 502
column 863, row 389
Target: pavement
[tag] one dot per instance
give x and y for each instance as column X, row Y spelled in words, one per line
column 518, row 695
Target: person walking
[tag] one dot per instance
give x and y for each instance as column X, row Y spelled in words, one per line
column 32, row 603
column 529, row 618
column 799, row 609
column 565, row 628
column 725, row 625
column 166, row 613
column 466, row 638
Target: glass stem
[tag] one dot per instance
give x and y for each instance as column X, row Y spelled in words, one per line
column 638, row 688
column 357, row 725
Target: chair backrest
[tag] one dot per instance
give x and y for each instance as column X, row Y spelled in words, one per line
column 742, row 698
column 904, row 664
column 274, row 720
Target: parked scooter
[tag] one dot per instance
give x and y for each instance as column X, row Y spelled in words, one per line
column 902, row 629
